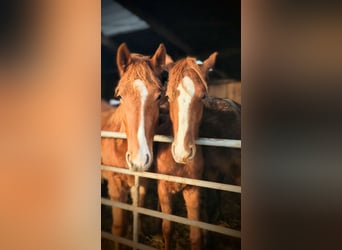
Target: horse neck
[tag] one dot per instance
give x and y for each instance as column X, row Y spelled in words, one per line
column 112, row 119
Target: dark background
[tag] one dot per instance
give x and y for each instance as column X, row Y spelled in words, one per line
column 186, row 28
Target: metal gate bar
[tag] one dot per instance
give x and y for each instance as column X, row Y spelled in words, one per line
column 163, row 138
column 174, row 218
column 135, row 194
column 189, row 181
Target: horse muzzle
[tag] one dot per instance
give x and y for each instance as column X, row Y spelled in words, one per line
column 183, row 156
column 140, row 162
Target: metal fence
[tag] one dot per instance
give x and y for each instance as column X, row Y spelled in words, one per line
column 139, row 210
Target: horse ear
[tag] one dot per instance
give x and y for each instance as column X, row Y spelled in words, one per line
column 159, row 59
column 209, row 63
column 116, row 91
column 123, row 58
column 168, row 59
column 169, row 62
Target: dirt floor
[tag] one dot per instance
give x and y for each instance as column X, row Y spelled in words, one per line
column 223, row 208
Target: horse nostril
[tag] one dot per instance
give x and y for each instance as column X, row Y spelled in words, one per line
column 192, row 152
column 147, row 159
column 127, row 158
column 173, row 148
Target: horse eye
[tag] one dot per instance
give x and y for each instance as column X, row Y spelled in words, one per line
column 204, row 96
column 158, row 97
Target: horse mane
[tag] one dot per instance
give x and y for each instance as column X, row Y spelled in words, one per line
column 109, row 117
column 186, row 66
column 140, row 67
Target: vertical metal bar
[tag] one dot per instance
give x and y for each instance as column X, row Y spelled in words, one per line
column 135, row 199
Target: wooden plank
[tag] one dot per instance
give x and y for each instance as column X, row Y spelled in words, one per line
column 230, row 90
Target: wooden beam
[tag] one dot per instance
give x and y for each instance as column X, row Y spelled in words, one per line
column 157, row 26
column 107, row 42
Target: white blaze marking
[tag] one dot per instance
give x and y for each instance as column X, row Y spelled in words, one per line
column 143, row 148
column 186, row 92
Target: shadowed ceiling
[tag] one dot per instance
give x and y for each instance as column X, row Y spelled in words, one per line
column 185, row 27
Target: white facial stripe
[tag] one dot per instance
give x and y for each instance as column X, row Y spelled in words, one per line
column 186, row 91
column 189, row 85
column 143, row 148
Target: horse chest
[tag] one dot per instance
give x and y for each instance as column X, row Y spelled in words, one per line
column 174, row 187
column 166, row 165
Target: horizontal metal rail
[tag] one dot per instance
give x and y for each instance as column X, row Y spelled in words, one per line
column 183, row 180
column 163, row 138
column 174, row 218
column 139, row 210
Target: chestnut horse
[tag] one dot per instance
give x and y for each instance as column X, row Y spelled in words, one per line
column 139, row 88
column 186, row 89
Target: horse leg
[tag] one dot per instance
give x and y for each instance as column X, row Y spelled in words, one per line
column 191, row 196
column 165, row 204
column 142, row 191
column 117, row 192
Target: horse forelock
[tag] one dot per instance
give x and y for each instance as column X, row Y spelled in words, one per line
column 139, row 69
column 184, row 67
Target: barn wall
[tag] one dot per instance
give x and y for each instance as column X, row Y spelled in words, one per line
column 230, row 90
